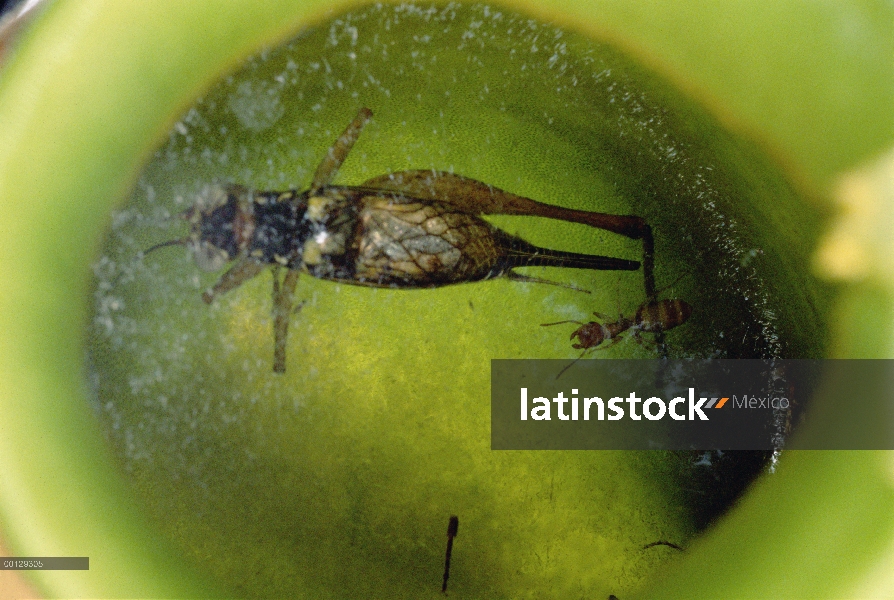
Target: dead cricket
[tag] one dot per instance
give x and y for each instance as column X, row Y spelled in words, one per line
column 408, row 229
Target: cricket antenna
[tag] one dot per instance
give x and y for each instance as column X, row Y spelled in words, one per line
column 177, row 242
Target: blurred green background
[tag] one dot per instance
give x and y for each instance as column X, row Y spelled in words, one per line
column 85, row 99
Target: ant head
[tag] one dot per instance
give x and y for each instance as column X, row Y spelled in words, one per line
column 589, row 335
column 221, row 226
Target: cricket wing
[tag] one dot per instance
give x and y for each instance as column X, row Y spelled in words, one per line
column 421, row 243
column 468, row 195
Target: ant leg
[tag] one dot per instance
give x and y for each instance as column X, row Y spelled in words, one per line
column 339, row 151
column 660, row 346
column 614, row 341
column 584, row 353
column 244, row 269
column 656, row 346
column 571, row 364
column 283, row 295
column 671, row 284
column 561, row 323
column 649, row 263
column 528, row 279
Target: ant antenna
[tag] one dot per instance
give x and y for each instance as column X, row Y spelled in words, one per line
column 662, row 543
column 571, row 364
column 562, row 323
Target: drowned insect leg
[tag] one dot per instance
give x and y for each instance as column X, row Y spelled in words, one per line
column 571, row 364
column 476, row 197
column 283, row 296
column 337, row 154
column 657, row 346
column 561, row 323
column 649, row 263
column 244, row 269
column 615, row 340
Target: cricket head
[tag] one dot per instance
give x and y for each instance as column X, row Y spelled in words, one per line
column 221, row 224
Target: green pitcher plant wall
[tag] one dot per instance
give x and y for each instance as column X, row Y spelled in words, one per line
column 345, row 458
column 379, row 426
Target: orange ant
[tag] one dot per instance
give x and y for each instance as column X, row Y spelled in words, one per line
column 652, row 316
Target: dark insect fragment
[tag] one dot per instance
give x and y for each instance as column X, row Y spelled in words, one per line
column 452, row 531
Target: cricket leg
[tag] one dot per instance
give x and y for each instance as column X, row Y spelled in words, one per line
column 476, row 197
column 339, row 151
column 244, row 269
column 283, row 296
